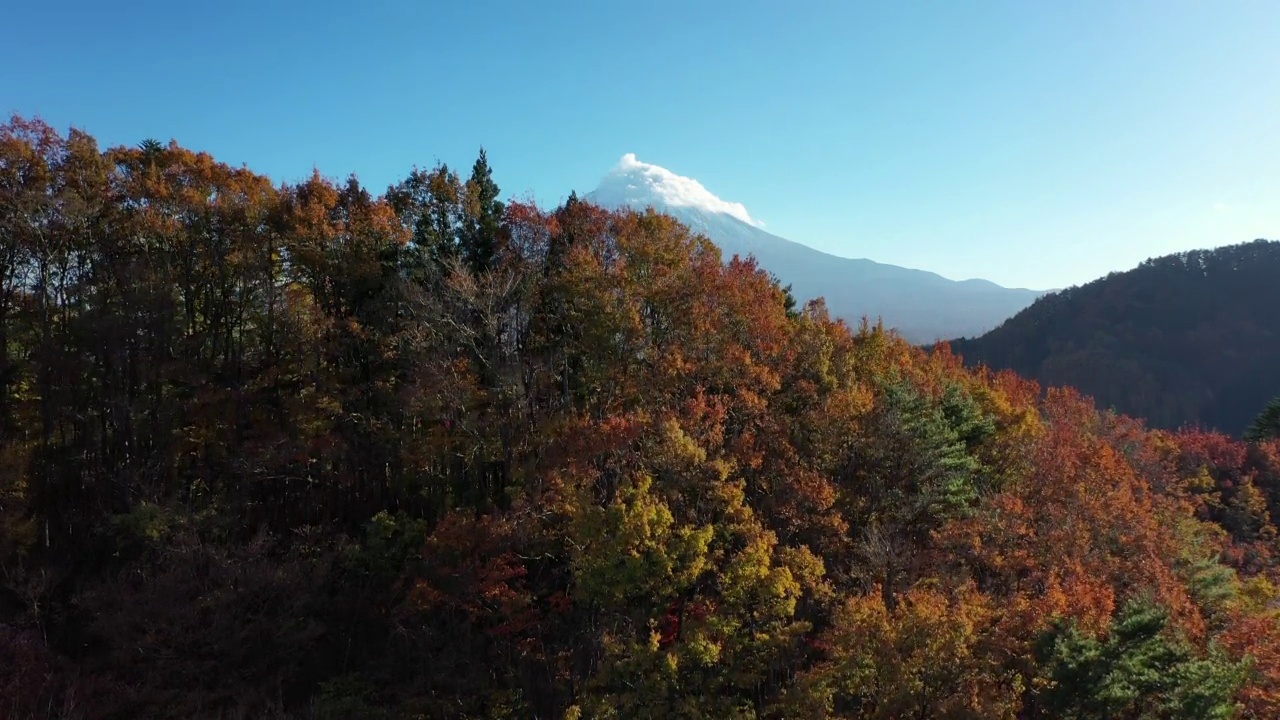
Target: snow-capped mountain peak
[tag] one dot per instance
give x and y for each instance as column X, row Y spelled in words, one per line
column 637, row 184
column 923, row 306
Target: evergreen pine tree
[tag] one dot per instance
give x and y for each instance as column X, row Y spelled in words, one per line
column 483, row 217
column 1139, row 670
column 1267, row 424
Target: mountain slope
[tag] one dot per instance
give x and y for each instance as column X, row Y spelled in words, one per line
column 923, row 306
column 1191, row 338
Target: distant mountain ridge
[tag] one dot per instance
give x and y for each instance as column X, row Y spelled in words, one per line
column 923, row 306
column 1186, row 339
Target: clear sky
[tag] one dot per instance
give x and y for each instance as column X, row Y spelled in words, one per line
column 1037, row 144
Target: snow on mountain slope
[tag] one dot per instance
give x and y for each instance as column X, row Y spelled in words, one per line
column 923, row 306
column 634, row 183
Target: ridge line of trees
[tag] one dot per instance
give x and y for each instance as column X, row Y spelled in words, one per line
column 307, row 451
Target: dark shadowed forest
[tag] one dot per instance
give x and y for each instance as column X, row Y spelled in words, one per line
column 318, row 451
column 1191, row 339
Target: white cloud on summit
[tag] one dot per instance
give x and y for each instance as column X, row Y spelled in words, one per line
column 679, row 191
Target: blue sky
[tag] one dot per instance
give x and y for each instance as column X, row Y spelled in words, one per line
column 1038, row 144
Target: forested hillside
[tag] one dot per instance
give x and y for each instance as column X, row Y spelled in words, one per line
column 1186, row 339
column 304, row 451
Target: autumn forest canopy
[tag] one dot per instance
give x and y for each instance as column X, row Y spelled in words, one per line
column 320, row 451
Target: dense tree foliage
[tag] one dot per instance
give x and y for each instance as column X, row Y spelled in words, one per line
column 1267, row 425
column 1191, row 339
column 305, row 451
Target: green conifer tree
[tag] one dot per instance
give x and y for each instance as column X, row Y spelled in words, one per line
column 1267, row 424
column 482, row 220
column 1137, row 670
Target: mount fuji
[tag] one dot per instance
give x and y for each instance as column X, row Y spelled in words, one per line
column 922, row 306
